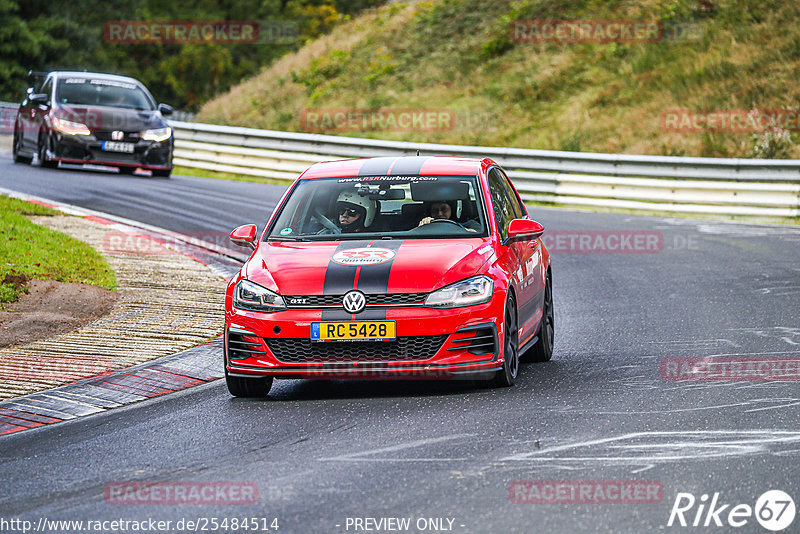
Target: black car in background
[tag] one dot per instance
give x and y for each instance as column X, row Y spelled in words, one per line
column 92, row 118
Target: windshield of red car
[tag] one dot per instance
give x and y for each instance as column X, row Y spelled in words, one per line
column 101, row 92
column 359, row 207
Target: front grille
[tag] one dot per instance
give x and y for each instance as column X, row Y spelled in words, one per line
column 242, row 346
column 297, row 350
column 372, row 300
column 127, row 137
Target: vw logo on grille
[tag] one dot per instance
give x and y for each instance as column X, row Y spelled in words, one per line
column 117, row 135
column 354, row 301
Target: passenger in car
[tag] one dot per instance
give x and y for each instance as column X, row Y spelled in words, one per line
column 446, row 209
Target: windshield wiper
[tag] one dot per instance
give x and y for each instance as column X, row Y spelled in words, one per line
column 284, row 238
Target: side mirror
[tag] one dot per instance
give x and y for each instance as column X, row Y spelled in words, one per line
column 524, row 229
column 165, row 109
column 40, row 99
column 244, row 236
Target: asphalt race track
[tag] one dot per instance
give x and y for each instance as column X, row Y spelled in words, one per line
column 324, row 454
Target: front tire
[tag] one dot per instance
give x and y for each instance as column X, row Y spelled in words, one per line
column 248, row 387
column 506, row 376
column 542, row 351
column 162, row 173
column 44, row 159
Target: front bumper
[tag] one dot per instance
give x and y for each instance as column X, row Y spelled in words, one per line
column 87, row 149
column 430, row 344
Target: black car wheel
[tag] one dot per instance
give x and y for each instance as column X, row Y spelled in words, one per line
column 508, row 374
column 162, row 173
column 17, row 148
column 542, row 350
column 127, row 170
column 248, row 387
column 44, row 158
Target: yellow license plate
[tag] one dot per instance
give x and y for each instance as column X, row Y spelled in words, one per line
column 353, row 331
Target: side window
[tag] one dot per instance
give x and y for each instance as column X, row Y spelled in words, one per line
column 503, row 206
column 519, row 207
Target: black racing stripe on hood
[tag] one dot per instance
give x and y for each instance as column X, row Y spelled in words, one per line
column 410, row 165
column 339, row 279
column 377, row 166
column 375, row 279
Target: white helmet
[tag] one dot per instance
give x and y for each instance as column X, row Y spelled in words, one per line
column 362, row 202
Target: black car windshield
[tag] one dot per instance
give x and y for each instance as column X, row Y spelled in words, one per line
column 102, row 92
column 402, row 207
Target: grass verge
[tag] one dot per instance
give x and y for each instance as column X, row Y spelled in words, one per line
column 29, row 251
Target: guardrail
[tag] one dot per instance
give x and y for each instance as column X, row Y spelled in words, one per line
column 8, row 113
column 768, row 188
column 750, row 187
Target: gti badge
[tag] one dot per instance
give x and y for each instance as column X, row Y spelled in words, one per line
column 117, row 135
column 354, row 301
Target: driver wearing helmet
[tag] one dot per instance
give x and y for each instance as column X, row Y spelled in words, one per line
column 353, row 212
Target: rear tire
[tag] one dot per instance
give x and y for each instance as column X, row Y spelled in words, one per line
column 248, row 387
column 162, row 173
column 542, row 350
column 17, row 148
column 506, row 376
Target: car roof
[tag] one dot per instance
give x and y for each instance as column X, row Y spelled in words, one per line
column 399, row 166
column 97, row 75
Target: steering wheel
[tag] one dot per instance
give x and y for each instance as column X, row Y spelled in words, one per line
column 326, row 222
column 451, row 221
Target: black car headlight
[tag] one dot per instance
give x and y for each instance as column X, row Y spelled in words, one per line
column 70, row 127
column 158, row 134
column 475, row 290
column 252, row 297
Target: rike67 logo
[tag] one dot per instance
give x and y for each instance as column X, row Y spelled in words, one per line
column 774, row 510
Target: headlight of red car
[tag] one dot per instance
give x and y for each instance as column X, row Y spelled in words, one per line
column 253, row 297
column 475, row 290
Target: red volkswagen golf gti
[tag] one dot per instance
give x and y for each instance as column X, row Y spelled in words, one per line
column 411, row 267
